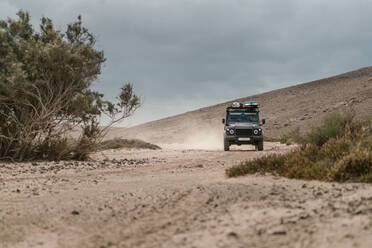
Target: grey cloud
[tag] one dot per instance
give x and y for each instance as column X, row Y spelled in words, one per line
column 189, row 53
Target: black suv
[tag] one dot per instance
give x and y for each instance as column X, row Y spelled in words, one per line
column 242, row 125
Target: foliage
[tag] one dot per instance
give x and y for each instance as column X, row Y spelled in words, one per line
column 344, row 155
column 45, row 79
column 334, row 126
column 127, row 143
column 291, row 137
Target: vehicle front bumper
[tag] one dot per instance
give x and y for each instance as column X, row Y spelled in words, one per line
column 240, row 140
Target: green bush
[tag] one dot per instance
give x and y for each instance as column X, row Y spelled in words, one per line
column 54, row 150
column 45, row 90
column 334, row 126
column 291, row 137
column 341, row 155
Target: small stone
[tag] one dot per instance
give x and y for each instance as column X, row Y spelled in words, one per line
column 278, row 231
column 349, row 236
column 260, row 231
column 336, row 215
column 304, row 216
column 232, row 235
column 75, row 212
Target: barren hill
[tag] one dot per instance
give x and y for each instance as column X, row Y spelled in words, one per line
column 303, row 105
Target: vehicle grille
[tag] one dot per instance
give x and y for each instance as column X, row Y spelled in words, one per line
column 244, row 132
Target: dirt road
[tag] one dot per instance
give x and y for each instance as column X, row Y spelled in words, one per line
column 176, row 198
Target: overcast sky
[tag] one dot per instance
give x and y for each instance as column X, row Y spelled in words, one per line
column 185, row 54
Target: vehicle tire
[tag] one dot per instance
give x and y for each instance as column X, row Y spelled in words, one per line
column 260, row 146
column 226, row 145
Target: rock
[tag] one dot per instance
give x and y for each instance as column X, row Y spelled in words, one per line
column 75, row 212
column 260, row 231
column 278, row 231
column 232, row 235
column 304, row 216
column 336, row 215
column 337, row 195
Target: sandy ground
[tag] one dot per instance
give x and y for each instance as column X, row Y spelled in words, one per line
column 176, row 198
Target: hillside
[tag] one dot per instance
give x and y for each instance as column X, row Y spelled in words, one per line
column 303, row 105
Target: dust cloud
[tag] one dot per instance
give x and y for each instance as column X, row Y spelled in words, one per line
column 199, row 138
column 184, row 133
column 196, row 134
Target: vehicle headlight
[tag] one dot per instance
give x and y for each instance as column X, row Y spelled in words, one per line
column 230, row 131
column 255, row 132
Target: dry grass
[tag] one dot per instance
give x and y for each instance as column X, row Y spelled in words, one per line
column 339, row 150
column 119, row 143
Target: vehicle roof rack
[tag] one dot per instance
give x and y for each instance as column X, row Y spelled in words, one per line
column 236, row 105
column 251, row 104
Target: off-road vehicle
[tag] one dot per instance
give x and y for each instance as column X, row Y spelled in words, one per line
column 242, row 125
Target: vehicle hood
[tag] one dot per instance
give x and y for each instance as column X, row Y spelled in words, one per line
column 243, row 125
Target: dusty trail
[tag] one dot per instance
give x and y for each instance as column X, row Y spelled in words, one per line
column 176, row 198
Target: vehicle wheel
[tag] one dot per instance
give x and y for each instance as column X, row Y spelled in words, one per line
column 226, row 145
column 260, row 146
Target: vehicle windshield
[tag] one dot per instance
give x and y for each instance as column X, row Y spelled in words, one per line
column 242, row 117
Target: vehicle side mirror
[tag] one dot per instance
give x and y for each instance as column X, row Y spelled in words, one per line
column 263, row 121
column 223, row 121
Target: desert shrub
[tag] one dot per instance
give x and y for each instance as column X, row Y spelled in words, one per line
column 55, row 149
column 270, row 163
column 83, row 147
column 333, row 126
column 293, row 136
column 353, row 166
column 336, row 148
column 45, row 79
column 118, row 143
column 345, row 155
